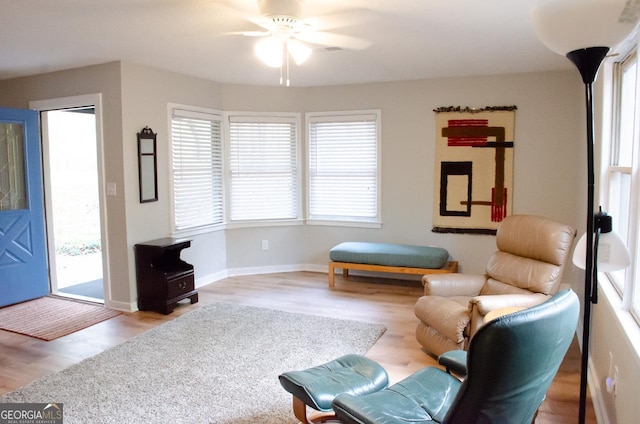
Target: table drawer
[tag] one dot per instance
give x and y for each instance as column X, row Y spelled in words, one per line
column 180, row 286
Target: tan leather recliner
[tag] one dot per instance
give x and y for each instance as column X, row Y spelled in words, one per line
column 525, row 271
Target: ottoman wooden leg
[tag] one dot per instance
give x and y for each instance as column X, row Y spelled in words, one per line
column 316, row 388
column 300, row 411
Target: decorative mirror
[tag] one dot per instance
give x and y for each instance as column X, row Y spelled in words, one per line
column 147, row 165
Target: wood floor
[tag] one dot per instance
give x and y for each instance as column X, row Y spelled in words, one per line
column 390, row 302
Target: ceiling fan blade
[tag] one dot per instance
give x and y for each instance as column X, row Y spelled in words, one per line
column 247, row 11
column 243, row 7
column 333, row 40
column 261, row 23
column 254, row 33
column 335, row 20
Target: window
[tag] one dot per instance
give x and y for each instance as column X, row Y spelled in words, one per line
column 13, row 188
column 196, row 165
column 623, row 187
column 344, row 169
column 263, row 168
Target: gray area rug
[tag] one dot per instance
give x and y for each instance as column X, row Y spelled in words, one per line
column 217, row 364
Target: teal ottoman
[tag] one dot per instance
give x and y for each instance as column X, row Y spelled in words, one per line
column 317, row 387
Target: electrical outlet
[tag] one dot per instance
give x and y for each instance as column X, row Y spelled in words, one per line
column 612, row 379
column 615, row 382
column 111, row 189
column 611, row 385
column 265, row 244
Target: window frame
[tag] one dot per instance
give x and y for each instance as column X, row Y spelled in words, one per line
column 296, row 119
column 630, row 287
column 345, row 116
column 204, row 114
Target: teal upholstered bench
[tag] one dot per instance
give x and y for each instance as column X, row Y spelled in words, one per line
column 389, row 257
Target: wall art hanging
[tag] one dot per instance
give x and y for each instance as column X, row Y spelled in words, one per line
column 473, row 168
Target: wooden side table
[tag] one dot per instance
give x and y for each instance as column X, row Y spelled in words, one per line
column 163, row 279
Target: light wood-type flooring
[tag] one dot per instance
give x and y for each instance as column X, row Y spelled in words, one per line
column 390, row 302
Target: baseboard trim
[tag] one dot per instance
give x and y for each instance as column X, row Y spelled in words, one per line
column 272, row 269
column 211, row 278
column 121, row 306
column 595, row 389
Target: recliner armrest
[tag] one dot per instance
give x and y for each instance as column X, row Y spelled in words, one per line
column 480, row 306
column 453, row 284
column 455, row 361
column 488, row 303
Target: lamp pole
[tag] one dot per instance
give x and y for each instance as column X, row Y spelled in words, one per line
column 588, row 61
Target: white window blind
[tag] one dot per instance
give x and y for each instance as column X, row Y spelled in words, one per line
column 263, row 166
column 196, row 141
column 620, row 167
column 343, row 167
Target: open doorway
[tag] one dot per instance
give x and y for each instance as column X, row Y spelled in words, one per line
column 73, row 203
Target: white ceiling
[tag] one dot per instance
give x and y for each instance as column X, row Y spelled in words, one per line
column 407, row 39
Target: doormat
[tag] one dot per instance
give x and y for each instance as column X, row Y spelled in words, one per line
column 48, row 318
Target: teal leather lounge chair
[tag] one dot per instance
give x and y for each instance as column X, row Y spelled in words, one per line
column 511, row 363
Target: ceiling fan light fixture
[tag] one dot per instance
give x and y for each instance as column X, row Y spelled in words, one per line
column 298, row 51
column 270, row 51
column 275, row 8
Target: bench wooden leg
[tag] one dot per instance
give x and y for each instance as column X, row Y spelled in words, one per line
column 332, row 270
column 450, row 267
column 331, row 274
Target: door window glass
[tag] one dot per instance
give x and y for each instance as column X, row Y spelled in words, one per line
column 13, row 192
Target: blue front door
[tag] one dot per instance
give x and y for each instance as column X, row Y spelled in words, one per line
column 23, row 255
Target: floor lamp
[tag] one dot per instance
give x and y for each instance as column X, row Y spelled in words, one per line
column 584, row 31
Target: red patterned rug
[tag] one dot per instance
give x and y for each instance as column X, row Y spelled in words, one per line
column 48, row 317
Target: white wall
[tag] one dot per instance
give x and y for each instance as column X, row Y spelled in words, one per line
column 614, row 333
column 103, row 79
column 549, row 168
column 547, row 138
column 146, row 93
column 613, row 330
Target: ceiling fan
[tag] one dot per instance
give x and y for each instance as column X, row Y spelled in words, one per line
column 287, row 35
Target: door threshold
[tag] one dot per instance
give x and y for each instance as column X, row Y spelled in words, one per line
column 78, row 297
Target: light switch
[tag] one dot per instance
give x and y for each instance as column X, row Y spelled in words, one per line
column 111, row 189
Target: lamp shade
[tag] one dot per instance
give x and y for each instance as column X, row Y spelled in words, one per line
column 298, row 51
column 568, row 25
column 612, row 253
column 270, row 51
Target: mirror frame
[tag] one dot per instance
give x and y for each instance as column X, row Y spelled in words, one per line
column 147, row 165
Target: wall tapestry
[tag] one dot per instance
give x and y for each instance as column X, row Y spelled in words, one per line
column 474, row 168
